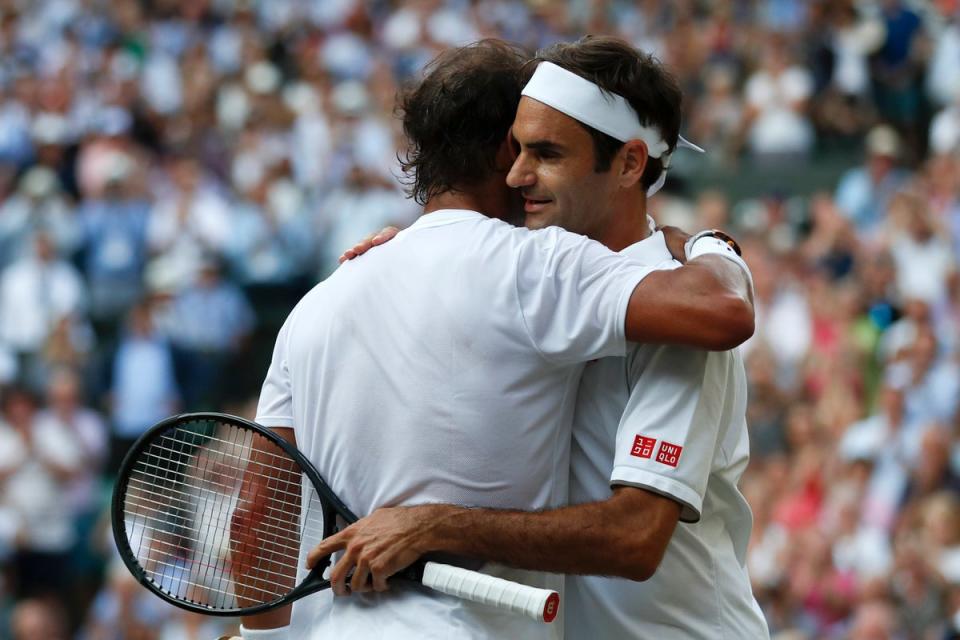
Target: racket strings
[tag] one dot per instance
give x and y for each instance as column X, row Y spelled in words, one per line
column 146, row 504
column 213, row 515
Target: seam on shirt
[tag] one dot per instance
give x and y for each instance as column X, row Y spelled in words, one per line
column 715, row 573
column 270, row 421
column 285, row 363
column 523, row 317
column 671, row 488
column 564, row 439
column 726, row 408
column 442, row 221
column 622, row 304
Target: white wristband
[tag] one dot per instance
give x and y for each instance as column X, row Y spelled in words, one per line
column 279, row 633
column 702, row 245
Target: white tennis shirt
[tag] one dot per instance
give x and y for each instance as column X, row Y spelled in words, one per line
column 670, row 420
column 443, row 367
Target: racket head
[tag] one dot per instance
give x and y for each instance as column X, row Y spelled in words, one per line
column 182, row 502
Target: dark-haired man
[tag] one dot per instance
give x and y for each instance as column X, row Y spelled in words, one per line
column 443, row 367
column 665, row 426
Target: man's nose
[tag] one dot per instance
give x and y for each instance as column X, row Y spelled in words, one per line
column 521, row 174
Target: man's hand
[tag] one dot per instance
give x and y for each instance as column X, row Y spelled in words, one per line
column 676, row 239
column 378, row 546
column 374, row 239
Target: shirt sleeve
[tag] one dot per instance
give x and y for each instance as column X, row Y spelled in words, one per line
column 573, row 295
column 275, row 407
column 668, row 434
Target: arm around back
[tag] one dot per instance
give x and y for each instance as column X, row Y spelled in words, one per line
column 707, row 303
column 625, row 535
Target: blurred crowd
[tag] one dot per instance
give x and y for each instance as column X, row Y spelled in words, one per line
column 174, row 174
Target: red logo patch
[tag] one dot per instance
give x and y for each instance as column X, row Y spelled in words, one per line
column 669, row 454
column 643, row 447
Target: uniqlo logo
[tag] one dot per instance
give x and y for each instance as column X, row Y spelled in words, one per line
column 643, row 447
column 669, row 454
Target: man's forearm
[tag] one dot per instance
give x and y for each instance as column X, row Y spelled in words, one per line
column 624, row 536
column 260, row 542
column 708, row 303
column 273, row 619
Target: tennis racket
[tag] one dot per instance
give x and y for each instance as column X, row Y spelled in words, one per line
column 210, row 511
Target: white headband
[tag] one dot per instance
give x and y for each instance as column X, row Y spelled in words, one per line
column 605, row 111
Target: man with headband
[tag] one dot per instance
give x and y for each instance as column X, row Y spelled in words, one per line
column 443, row 367
column 664, row 427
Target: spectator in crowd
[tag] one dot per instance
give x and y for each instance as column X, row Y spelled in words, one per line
column 38, row 205
column 897, row 66
column 864, row 193
column 115, row 242
column 855, row 32
column 38, row 620
column 208, row 324
column 37, row 469
column 776, row 96
column 65, row 417
column 717, row 122
column 874, row 619
column 933, row 391
column 190, row 220
column 36, row 292
column 143, row 388
column 924, row 259
column 123, row 610
column 363, row 201
column 944, row 136
column 272, row 240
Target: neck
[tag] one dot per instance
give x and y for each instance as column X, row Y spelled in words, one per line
column 451, row 200
column 472, row 199
column 627, row 226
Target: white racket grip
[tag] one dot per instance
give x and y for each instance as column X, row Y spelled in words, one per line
column 539, row 604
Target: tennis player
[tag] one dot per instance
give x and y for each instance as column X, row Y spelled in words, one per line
column 443, row 367
column 659, row 436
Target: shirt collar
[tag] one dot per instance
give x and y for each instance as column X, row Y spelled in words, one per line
column 650, row 251
column 445, row 216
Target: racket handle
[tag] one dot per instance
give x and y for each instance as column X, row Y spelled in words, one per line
column 539, row 604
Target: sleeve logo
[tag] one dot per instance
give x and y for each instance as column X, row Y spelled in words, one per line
column 643, row 447
column 669, row 454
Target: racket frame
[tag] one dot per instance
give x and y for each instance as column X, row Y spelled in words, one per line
column 332, row 507
column 539, row 604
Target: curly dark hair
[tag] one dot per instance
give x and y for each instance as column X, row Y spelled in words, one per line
column 458, row 115
column 615, row 66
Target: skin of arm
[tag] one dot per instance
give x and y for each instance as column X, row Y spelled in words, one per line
column 707, row 303
column 625, row 535
column 254, row 496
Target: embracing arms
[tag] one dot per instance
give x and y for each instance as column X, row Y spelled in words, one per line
column 708, row 303
column 625, row 535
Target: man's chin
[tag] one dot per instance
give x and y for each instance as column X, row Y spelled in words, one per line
column 536, row 221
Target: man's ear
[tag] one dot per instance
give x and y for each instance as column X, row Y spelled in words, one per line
column 635, row 156
column 507, row 153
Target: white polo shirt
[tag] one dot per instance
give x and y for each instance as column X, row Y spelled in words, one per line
column 443, row 367
column 670, row 420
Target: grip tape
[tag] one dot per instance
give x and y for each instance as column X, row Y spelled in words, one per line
column 539, row 604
